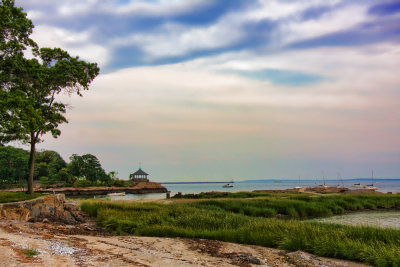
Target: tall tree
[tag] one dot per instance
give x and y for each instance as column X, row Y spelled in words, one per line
column 29, row 106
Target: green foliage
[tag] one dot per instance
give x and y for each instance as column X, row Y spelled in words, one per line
column 119, row 183
column 15, row 29
column 65, row 176
column 51, row 170
column 82, row 183
column 17, row 196
column 49, row 163
column 30, row 252
column 241, row 221
column 87, row 166
column 13, row 165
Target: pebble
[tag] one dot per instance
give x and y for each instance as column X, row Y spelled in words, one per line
column 60, row 248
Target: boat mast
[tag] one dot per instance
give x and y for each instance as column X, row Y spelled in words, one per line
column 372, row 176
column 341, row 180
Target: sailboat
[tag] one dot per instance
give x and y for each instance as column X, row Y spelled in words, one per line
column 298, row 187
column 341, row 180
column 371, row 186
column 358, row 185
column 323, row 177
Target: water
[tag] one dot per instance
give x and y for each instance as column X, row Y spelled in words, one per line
column 386, row 219
column 385, row 185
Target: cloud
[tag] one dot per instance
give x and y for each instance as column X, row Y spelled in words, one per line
column 156, row 8
column 138, row 33
column 336, row 20
column 76, row 43
column 177, row 40
column 366, row 33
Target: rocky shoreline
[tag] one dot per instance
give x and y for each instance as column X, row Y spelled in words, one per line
column 138, row 188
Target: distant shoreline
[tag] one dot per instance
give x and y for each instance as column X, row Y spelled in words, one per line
column 231, row 182
column 280, row 180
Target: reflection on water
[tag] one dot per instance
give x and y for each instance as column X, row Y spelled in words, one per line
column 387, row 219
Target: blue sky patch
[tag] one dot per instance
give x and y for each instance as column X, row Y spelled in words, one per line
column 283, row 77
column 388, row 8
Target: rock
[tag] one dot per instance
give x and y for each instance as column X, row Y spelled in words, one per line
column 64, row 216
column 35, row 211
column 78, row 216
column 248, row 258
column 301, row 258
column 50, row 208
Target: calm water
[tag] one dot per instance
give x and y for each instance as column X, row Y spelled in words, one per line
column 386, row 219
column 385, row 185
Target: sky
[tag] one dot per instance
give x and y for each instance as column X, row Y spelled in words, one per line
column 207, row 90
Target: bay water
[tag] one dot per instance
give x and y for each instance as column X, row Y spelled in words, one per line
column 385, row 185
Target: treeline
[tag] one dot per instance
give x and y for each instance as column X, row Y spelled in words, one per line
column 51, row 170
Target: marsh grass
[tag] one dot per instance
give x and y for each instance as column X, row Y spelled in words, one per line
column 17, row 196
column 302, row 206
column 243, row 221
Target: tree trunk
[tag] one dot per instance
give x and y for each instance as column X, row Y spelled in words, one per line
column 31, row 165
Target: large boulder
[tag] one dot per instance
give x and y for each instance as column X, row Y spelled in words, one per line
column 52, row 208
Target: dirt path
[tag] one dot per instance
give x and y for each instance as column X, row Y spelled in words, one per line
column 87, row 245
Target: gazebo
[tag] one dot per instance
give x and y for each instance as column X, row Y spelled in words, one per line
column 139, row 176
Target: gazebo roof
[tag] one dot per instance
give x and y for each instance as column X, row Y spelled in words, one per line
column 140, row 172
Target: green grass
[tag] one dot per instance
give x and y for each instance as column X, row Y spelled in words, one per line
column 30, row 252
column 250, row 221
column 17, row 196
column 301, row 206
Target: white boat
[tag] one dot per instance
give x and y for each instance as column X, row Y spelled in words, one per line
column 371, row 187
column 116, row 194
column 227, row 186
